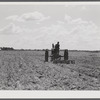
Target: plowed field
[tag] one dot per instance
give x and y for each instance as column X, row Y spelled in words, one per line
column 26, row 70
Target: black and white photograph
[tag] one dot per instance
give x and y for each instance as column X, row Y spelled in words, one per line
column 50, row 46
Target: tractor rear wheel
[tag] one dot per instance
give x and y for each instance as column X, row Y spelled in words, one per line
column 66, row 54
column 46, row 55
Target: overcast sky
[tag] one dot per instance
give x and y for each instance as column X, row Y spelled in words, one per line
column 38, row 26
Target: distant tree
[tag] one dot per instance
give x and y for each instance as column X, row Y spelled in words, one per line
column 7, row 48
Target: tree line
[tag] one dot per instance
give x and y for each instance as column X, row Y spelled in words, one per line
column 7, row 48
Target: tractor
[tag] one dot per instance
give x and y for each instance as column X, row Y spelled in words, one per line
column 56, row 57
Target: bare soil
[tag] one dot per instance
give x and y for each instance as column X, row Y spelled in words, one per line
column 26, row 70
